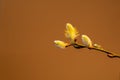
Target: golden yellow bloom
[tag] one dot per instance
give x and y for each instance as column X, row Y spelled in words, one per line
column 60, row 44
column 86, row 41
column 71, row 32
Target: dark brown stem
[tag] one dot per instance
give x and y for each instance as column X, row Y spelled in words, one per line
column 109, row 54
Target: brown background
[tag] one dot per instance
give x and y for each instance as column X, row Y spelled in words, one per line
column 29, row 27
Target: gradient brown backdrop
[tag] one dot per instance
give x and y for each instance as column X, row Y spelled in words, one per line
column 29, row 27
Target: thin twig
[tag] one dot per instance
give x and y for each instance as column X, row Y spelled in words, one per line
column 109, row 54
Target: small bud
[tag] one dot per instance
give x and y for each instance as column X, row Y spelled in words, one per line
column 97, row 46
column 60, row 44
column 86, row 41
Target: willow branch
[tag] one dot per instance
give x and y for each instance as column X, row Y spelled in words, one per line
column 109, row 54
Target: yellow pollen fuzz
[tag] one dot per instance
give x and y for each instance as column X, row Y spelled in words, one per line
column 71, row 32
column 60, row 44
